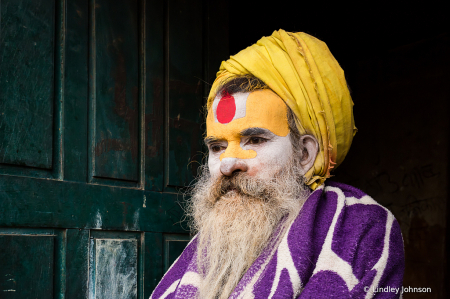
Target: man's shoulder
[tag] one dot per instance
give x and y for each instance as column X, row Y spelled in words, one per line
column 345, row 215
column 343, row 235
column 347, row 190
column 359, row 222
column 334, row 205
column 353, row 217
column 347, row 196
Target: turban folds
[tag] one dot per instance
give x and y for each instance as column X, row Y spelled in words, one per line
column 304, row 73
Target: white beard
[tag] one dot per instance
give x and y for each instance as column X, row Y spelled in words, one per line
column 235, row 226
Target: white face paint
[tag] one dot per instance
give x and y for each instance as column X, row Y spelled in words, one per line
column 272, row 154
column 266, row 152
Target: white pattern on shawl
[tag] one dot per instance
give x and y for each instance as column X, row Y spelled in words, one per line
column 285, row 261
column 170, row 289
column 380, row 266
column 381, row 263
column 191, row 278
column 328, row 260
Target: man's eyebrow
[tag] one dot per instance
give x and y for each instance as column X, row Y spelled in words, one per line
column 256, row 131
column 247, row 132
column 210, row 139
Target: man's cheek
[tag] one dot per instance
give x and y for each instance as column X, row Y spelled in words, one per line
column 256, row 166
column 278, row 153
column 267, row 163
column 269, row 157
column 254, row 169
column 214, row 166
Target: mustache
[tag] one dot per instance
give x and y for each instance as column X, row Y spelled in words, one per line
column 242, row 184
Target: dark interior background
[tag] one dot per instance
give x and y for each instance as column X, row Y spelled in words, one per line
column 395, row 56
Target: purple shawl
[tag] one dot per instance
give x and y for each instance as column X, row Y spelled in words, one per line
column 342, row 244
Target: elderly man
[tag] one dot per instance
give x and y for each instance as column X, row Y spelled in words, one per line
column 279, row 119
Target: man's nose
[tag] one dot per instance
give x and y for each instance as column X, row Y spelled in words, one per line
column 228, row 166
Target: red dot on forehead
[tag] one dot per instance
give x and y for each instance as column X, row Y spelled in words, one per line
column 226, row 109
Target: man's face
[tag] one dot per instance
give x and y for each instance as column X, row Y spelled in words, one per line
column 254, row 182
column 248, row 132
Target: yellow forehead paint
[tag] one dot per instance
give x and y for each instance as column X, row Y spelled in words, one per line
column 263, row 109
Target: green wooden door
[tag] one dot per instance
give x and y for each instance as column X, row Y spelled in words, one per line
column 100, row 125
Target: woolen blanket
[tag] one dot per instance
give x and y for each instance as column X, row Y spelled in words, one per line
column 342, row 244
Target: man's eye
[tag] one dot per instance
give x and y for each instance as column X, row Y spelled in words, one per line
column 256, row 140
column 216, row 148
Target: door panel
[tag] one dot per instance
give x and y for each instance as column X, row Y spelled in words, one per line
column 115, row 89
column 30, row 88
column 174, row 245
column 32, row 263
column 76, row 76
column 100, row 125
column 27, row 81
column 115, row 268
column 27, row 266
column 113, row 261
column 184, row 94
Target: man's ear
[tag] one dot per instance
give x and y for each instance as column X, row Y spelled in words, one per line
column 310, row 148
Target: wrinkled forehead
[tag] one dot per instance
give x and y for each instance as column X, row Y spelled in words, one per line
column 239, row 111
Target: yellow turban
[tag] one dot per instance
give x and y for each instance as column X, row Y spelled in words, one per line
column 304, row 73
